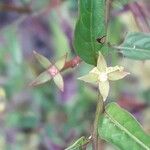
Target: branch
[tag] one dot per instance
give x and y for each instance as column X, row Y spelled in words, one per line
column 10, row 8
column 99, row 111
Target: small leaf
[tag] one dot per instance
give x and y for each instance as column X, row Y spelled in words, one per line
column 136, row 46
column 42, row 60
column 90, row 27
column 42, row 78
column 120, row 128
column 78, row 144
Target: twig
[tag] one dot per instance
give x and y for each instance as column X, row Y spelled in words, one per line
column 99, row 110
column 10, row 8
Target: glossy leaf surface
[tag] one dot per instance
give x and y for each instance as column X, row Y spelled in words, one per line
column 90, row 27
column 136, row 46
column 120, row 128
column 78, row 144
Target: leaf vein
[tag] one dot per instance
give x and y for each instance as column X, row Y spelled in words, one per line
column 126, row 131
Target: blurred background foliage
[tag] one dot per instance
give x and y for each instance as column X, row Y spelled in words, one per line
column 43, row 118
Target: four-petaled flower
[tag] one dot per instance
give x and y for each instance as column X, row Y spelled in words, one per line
column 52, row 71
column 101, row 74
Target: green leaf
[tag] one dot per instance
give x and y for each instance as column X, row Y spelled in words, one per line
column 136, row 46
column 118, row 127
column 90, row 27
column 78, row 144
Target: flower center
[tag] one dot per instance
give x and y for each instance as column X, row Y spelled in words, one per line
column 53, row 71
column 103, row 77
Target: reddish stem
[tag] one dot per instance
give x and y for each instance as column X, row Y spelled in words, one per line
column 72, row 63
column 8, row 7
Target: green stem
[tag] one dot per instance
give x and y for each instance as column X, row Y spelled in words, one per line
column 99, row 111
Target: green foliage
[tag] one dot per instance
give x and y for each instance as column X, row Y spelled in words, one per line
column 90, row 26
column 13, row 44
column 120, row 128
column 28, row 121
column 136, row 46
column 34, row 116
column 22, row 121
column 62, row 45
column 78, row 144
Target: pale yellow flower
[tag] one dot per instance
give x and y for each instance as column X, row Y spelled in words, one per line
column 52, row 71
column 101, row 75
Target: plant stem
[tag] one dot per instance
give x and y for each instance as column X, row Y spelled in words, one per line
column 12, row 8
column 72, row 63
column 100, row 104
column 99, row 111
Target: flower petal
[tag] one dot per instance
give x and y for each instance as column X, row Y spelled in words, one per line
column 116, row 75
column 89, row 78
column 59, row 81
column 42, row 60
column 95, row 71
column 113, row 69
column 61, row 62
column 42, row 78
column 101, row 63
column 104, row 89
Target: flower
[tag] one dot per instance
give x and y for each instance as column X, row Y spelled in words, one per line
column 101, row 75
column 52, row 71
